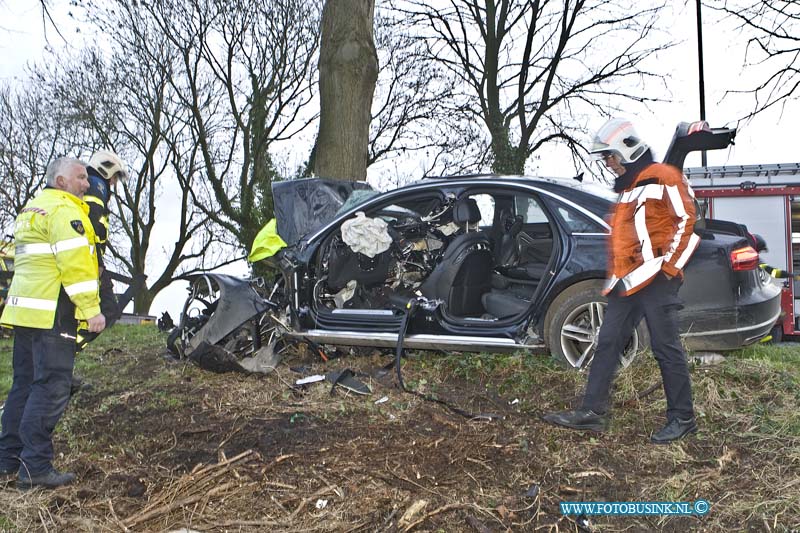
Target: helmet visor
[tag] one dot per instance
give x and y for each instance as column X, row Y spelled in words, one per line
column 120, row 175
column 603, row 155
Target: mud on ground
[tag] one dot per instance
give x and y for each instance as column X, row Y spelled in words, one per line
column 160, row 446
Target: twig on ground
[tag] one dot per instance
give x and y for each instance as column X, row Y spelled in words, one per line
column 401, row 478
column 183, row 502
column 233, row 432
column 42, row 520
column 117, row 521
column 243, row 523
column 388, row 519
column 276, row 461
column 226, row 462
column 174, row 444
column 442, row 509
column 196, row 487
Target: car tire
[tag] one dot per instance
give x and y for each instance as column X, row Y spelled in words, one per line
column 573, row 321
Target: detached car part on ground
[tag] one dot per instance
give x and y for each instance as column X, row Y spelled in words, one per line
column 488, row 262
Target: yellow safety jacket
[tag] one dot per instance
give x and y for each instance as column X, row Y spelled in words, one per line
column 54, row 248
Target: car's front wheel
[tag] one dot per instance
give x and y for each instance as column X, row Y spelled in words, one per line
column 573, row 323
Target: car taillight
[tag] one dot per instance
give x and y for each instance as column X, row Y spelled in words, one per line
column 744, row 258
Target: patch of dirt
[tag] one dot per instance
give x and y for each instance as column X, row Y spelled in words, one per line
column 160, row 446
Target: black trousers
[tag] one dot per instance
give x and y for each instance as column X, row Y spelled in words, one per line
column 43, row 361
column 659, row 304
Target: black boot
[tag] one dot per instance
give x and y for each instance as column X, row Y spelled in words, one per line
column 675, row 429
column 585, row 419
column 50, row 479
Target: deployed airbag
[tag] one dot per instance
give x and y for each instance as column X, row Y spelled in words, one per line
column 368, row 236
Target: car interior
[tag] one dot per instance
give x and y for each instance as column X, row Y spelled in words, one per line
column 482, row 254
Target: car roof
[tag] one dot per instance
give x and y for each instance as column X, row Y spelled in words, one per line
column 594, row 196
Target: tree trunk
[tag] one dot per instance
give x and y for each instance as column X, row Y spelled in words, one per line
column 348, row 70
column 142, row 300
column 508, row 159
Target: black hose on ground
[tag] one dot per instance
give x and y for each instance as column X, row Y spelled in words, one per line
column 409, row 309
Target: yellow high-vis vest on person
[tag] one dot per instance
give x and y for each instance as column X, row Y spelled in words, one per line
column 54, row 247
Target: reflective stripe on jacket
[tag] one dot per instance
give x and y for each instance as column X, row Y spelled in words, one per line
column 651, row 229
column 54, row 248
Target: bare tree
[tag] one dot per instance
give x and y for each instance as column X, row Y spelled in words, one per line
column 407, row 113
column 348, row 70
column 123, row 101
column 30, row 137
column 244, row 80
column 773, row 48
column 532, row 71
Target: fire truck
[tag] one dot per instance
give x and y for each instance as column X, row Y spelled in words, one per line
column 766, row 198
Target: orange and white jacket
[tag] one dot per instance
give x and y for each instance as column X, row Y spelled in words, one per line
column 651, row 229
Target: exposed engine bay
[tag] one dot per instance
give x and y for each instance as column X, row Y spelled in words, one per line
column 358, row 279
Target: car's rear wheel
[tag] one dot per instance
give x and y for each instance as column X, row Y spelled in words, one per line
column 573, row 322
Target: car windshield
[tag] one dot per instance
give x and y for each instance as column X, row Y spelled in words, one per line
column 356, row 198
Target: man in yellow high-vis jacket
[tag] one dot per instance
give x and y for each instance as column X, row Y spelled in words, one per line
column 55, row 286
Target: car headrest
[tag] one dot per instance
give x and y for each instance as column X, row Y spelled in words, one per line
column 466, row 212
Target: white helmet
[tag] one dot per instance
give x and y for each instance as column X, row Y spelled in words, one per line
column 618, row 136
column 108, row 164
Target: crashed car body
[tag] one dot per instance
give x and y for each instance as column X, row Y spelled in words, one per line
column 494, row 262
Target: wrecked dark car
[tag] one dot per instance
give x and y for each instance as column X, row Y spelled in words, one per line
column 471, row 263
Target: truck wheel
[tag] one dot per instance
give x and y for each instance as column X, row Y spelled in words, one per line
column 573, row 322
column 777, row 334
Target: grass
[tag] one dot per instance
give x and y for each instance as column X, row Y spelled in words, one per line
column 91, row 362
column 746, row 459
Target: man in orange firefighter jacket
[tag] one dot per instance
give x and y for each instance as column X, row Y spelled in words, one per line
column 55, row 286
column 651, row 241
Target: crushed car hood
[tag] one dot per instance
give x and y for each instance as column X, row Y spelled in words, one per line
column 305, row 205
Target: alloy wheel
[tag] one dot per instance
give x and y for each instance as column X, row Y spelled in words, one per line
column 579, row 336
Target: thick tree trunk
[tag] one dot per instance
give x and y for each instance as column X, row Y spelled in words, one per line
column 348, row 70
column 142, row 301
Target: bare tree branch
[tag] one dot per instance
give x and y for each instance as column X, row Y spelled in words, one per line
column 534, row 60
column 773, row 48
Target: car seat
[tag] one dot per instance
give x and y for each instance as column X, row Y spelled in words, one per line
column 463, row 275
column 505, row 229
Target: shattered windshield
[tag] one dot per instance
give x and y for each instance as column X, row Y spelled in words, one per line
column 357, row 197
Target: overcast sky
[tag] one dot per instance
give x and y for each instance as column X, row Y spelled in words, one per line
column 766, row 139
column 769, row 138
